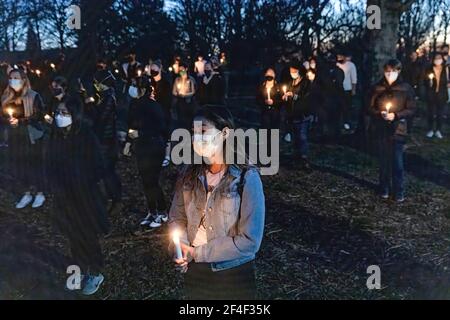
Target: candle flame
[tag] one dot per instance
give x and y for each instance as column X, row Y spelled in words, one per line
column 10, row 111
column 388, row 106
column 52, row 65
column 38, row 72
column 431, row 76
column 176, row 235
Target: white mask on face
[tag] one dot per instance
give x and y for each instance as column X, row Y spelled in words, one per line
column 133, row 92
column 391, row 76
column 63, row 121
column 438, row 62
column 312, row 65
column 16, row 84
column 206, row 145
column 294, row 76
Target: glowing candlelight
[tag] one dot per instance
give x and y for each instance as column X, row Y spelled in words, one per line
column 52, row 65
column 284, row 89
column 268, row 93
column 10, row 112
column 48, row 118
column 116, row 70
column 179, row 86
column 139, row 73
column 176, row 241
column 38, row 72
column 388, row 106
column 170, row 69
column 431, row 77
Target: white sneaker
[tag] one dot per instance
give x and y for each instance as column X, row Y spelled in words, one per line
column 147, row 220
column 438, row 135
column 38, row 200
column 159, row 220
column 92, row 284
column 430, row 134
column 287, row 137
column 346, row 126
column 25, row 201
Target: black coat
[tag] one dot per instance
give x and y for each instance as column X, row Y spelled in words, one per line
column 300, row 104
column 401, row 95
column 74, row 171
column 212, row 93
column 104, row 117
column 442, row 93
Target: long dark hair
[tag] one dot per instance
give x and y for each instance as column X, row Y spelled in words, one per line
column 221, row 118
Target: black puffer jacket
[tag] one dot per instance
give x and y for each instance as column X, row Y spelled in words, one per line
column 401, row 97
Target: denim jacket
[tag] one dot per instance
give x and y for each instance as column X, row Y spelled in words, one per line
column 233, row 239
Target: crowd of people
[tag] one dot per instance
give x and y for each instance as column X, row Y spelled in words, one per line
column 65, row 140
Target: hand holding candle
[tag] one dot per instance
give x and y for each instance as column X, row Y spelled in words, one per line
column 176, row 242
column 431, row 77
column 10, row 112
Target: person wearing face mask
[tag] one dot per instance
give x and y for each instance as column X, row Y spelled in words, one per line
column 103, row 114
column 299, row 111
column 350, row 82
column 268, row 99
column 391, row 103
column 183, row 91
column 150, row 134
column 436, row 83
column 163, row 95
column 23, row 112
column 211, row 87
column 218, row 210
column 75, row 168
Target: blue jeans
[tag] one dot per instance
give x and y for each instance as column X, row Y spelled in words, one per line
column 391, row 166
column 301, row 136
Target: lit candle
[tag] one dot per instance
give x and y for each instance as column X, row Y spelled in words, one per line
column 116, row 70
column 48, row 118
column 170, row 69
column 268, row 93
column 38, row 72
column 431, row 77
column 176, row 241
column 284, row 89
column 52, row 65
column 139, row 73
column 10, row 112
column 388, row 107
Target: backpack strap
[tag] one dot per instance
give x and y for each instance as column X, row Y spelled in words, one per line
column 241, row 185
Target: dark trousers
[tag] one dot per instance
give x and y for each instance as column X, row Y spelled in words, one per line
column 185, row 108
column 111, row 179
column 86, row 251
column 301, row 128
column 435, row 110
column 391, row 165
column 346, row 106
column 149, row 159
column 239, row 283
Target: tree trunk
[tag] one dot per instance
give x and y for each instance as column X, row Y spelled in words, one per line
column 383, row 41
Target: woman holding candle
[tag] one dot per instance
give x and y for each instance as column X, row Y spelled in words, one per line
column 299, row 111
column 184, row 89
column 211, row 90
column 268, row 98
column 218, row 209
column 23, row 111
column 437, row 95
column 392, row 102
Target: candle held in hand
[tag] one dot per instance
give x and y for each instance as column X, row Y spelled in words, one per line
column 176, row 242
column 10, row 112
column 388, row 107
column 268, row 93
column 284, row 89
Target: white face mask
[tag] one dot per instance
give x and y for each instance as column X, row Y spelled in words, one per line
column 63, row 121
column 294, row 76
column 438, row 62
column 312, row 65
column 391, row 76
column 133, row 92
column 16, row 84
column 206, row 145
column 306, row 64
